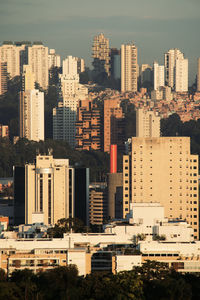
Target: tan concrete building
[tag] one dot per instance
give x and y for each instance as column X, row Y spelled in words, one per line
column 3, row 77
column 198, row 75
column 129, row 68
column 28, row 78
column 31, row 115
column 98, row 204
column 100, row 54
column 147, row 123
column 38, row 60
column 163, row 170
column 49, row 189
column 170, row 60
column 10, row 54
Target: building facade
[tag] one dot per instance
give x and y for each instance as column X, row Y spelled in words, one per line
column 159, row 76
column 4, row 131
column 88, row 126
column 28, row 78
column 129, row 68
column 113, row 124
column 3, row 78
column 181, row 75
column 100, row 54
column 170, row 61
column 38, row 60
column 31, row 114
column 147, row 123
column 163, row 170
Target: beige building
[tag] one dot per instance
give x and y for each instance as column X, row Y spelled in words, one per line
column 10, row 54
column 100, row 54
column 38, row 60
column 181, row 75
column 28, row 78
column 170, row 60
column 53, row 59
column 129, row 68
column 49, row 189
column 163, row 170
column 31, row 113
column 198, row 75
column 147, row 123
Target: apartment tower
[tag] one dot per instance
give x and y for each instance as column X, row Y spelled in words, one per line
column 159, row 76
column 88, row 126
column 181, row 75
column 170, row 61
column 100, row 54
column 32, row 115
column 162, row 169
column 129, row 68
column 113, row 124
column 38, row 60
column 147, row 123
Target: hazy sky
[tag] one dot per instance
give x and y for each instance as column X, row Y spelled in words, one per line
column 69, row 26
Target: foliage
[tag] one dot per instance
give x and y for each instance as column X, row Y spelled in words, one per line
column 24, row 151
column 153, row 280
column 66, row 225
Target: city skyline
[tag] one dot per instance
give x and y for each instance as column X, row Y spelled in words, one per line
column 154, row 27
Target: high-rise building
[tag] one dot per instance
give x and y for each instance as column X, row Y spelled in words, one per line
column 98, row 210
column 181, row 75
column 11, row 53
column 198, row 75
column 170, row 61
column 147, row 123
column 64, row 115
column 88, row 126
column 53, row 59
column 115, row 63
column 70, row 66
column 31, row 112
column 3, row 77
column 163, row 170
column 158, row 75
column 80, row 65
column 50, row 189
column 100, row 54
column 28, row 78
column 113, row 124
column 129, row 68
column 145, row 74
column 38, row 60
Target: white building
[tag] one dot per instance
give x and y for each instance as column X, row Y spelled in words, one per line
column 181, row 75
column 53, row 59
column 47, row 189
column 170, row 61
column 10, row 53
column 147, row 123
column 32, row 115
column 70, row 66
column 38, row 60
column 159, row 76
column 129, row 68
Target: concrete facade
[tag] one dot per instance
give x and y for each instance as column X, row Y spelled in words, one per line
column 147, row 124
column 31, row 112
column 129, row 68
column 163, row 170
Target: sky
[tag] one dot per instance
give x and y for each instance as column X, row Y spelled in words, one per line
column 69, row 26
